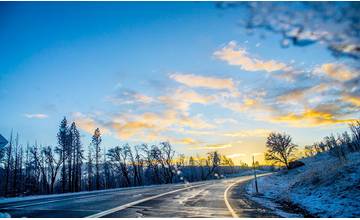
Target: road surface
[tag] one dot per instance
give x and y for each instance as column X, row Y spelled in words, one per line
column 218, row 198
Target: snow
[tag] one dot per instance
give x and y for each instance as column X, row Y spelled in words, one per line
column 324, row 187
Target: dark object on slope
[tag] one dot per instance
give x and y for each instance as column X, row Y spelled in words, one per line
column 295, row 164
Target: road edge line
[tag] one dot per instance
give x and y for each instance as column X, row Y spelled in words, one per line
column 233, row 213
column 125, row 206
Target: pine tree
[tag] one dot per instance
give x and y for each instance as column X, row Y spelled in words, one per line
column 63, row 143
column 90, row 169
column 96, row 140
column 77, row 157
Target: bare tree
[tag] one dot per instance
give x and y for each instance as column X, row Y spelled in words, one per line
column 280, row 149
column 8, row 165
column 137, row 165
column 166, row 156
column 212, row 162
column 53, row 163
column 118, row 158
column 355, row 130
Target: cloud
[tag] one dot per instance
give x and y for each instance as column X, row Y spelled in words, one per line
column 196, row 81
column 129, row 97
column 148, row 126
column 88, row 124
column 237, row 56
column 312, row 117
column 249, row 133
column 353, row 99
column 304, row 95
column 336, row 71
column 37, row 116
column 211, row 147
column 182, row 99
column 236, row 155
column 225, row 121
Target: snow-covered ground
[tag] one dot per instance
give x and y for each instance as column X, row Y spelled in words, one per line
column 324, row 187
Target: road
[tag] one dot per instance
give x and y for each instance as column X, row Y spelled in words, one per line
column 218, row 198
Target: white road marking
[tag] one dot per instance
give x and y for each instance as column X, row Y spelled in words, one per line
column 51, row 201
column 233, row 213
column 122, row 207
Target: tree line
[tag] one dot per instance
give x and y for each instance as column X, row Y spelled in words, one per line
column 281, row 150
column 68, row 167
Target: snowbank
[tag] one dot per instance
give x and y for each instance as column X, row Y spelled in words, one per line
column 324, row 187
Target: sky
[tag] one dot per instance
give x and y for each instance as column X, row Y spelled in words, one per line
column 183, row 72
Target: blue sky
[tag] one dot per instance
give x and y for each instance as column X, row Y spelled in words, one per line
column 148, row 72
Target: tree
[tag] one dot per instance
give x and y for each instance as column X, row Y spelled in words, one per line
column 280, row 149
column 76, row 157
column 213, row 162
column 355, row 130
column 137, row 165
column 8, row 164
column 166, row 155
column 96, row 141
column 118, row 158
column 63, row 141
column 53, row 163
column 90, row 171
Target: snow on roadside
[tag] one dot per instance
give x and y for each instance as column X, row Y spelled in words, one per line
column 324, row 187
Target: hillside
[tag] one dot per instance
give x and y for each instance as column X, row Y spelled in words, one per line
column 324, row 187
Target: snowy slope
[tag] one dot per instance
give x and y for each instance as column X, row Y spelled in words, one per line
column 324, row 186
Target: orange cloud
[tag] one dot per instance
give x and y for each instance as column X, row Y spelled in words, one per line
column 88, row 124
column 337, row 71
column 239, row 57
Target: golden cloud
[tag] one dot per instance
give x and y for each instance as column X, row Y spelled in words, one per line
column 355, row 100
column 88, row 124
column 211, row 147
column 337, row 71
column 239, row 57
column 143, row 126
column 236, row 155
column 311, row 117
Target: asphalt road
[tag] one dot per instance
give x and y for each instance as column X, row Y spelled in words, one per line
column 218, row 198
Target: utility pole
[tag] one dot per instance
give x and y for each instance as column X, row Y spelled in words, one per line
column 256, row 186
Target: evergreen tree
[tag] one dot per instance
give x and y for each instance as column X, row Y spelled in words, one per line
column 96, row 140
column 64, row 144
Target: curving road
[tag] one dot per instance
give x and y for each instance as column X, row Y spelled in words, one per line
column 218, row 198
